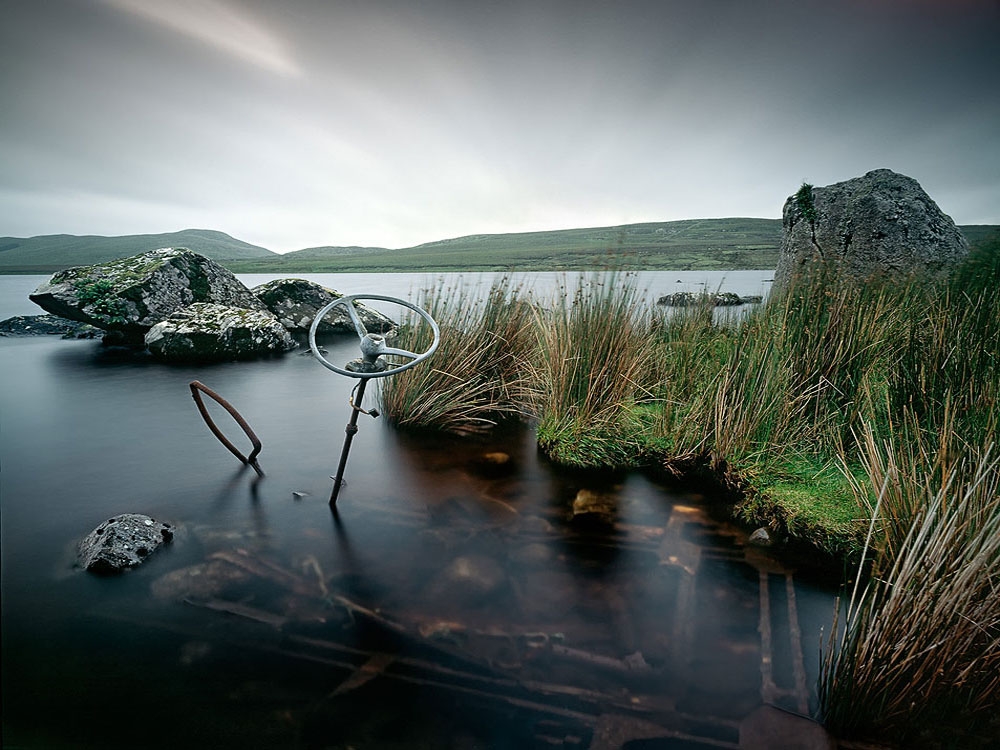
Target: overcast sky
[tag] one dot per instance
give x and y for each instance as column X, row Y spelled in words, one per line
column 296, row 123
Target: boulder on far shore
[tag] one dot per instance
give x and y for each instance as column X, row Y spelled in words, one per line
column 131, row 295
column 295, row 303
column 714, row 299
column 205, row 332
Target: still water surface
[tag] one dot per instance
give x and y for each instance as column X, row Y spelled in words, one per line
column 450, row 603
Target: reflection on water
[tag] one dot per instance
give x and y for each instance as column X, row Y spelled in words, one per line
column 452, row 601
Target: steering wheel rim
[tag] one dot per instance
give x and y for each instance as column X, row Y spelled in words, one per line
column 347, row 301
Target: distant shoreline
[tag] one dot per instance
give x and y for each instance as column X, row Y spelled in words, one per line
column 728, row 244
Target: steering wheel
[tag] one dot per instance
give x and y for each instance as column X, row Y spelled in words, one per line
column 372, row 344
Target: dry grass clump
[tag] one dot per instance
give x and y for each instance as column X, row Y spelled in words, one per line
column 479, row 375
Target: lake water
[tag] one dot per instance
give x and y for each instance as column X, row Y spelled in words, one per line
column 449, row 603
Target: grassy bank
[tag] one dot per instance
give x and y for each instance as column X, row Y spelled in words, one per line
column 770, row 403
column 860, row 419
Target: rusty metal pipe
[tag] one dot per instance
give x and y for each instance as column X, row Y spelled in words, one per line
column 197, row 388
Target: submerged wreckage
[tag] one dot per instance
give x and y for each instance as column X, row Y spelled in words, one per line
column 502, row 626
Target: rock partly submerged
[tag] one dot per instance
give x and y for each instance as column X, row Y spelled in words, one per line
column 707, row 299
column 185, row 307
column 47, row 325
column 205, row 332
column 131, row 295
column 122, row 542
column 295, row 302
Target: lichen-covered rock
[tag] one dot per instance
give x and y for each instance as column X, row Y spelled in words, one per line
column 204, row 332
column 881, row 223
column 122, row 542
column 131, row 295
column 295, row 303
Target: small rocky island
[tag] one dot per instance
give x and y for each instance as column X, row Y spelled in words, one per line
column 184, row 307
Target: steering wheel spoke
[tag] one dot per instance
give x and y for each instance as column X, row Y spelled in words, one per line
column 353, row 313
column 373, row 345
column 400, row 352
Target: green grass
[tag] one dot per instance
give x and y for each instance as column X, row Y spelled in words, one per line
column 804, row 499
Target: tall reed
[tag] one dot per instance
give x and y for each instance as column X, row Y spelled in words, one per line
column 594, row 364
column 480, row 373
column 950, row 358
column 689, row 345
column 919, row 652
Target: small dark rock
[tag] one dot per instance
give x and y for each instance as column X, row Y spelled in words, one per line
column 121, row 543
column 593, row 508
column 493, row 463
column 47, row 325
column 761, row 538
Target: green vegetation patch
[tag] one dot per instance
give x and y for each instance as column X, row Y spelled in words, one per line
column 806, row 500
column 99, row 296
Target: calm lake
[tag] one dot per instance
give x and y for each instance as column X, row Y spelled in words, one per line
column 450, row 603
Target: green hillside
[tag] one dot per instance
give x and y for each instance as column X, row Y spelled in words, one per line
column 53, row 252
column 673, row 245
column 693, row 244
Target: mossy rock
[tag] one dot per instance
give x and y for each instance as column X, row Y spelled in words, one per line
column 204, row 332
column 131, row 295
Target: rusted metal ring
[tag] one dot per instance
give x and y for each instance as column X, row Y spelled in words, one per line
column 250, row 460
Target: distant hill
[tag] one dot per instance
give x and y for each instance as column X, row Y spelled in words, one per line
column 977, row 234
column 692, row 244
column 53, row 252
column 330, row 251
column 674, row 245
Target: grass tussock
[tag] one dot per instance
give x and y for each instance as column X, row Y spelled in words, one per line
column 478, row 376
column 594, row 367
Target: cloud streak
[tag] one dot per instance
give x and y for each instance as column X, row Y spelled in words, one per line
column 221, row 25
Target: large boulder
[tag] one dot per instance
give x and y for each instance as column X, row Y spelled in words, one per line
column 295, row 303
column 880, row 224
column 204, row 332
column 131, row 295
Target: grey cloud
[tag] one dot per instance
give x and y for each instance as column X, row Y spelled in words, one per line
column 396, row 122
